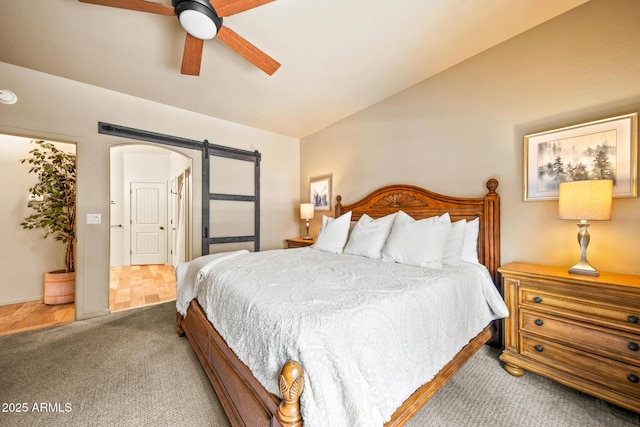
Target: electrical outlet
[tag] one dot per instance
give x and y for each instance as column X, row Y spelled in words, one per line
column 94, row 218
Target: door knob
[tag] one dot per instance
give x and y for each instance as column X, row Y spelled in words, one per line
column 161, row 228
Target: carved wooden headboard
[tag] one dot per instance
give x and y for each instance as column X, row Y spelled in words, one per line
column 421, row 203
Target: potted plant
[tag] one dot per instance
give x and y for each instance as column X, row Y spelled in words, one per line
column 53, row 203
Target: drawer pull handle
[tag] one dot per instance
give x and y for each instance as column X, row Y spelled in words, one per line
column 633, row 346
column 538, row 322
column 632, row 319
column 540, row 348
column 538, row 300
column 633, row 378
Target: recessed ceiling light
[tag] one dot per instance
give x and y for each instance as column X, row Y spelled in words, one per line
column 7, row 97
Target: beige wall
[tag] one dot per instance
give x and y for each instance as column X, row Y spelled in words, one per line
column 452, row 132
column 58, row 109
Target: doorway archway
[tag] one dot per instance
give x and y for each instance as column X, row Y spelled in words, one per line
column 150, row 223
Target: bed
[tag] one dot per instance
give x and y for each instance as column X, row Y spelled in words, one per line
column 271, row 393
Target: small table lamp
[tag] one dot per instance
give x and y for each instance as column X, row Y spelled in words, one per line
column 306, row 213
column 584, row 201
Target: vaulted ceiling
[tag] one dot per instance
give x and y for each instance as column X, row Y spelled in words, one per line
column 338, row 56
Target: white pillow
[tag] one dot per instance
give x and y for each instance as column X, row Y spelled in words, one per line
column 333, row 234
column 369, row 236
column 453, row 251
column 418, row 243
column 403, row 217
column 470, row 245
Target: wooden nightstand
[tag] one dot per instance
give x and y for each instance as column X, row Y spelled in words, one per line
column 581, row 331
column 299, row 242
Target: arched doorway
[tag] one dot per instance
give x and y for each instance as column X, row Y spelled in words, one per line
column 150, row 223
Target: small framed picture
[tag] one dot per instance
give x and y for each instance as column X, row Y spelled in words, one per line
column 320, row 192
column 603, row 149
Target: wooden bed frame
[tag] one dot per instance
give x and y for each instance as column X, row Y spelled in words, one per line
column 247, row 403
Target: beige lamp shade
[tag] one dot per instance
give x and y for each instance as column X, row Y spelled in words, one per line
column 306, row 210
column 585, row 200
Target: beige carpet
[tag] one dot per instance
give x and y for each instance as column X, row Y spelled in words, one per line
column 131, row 369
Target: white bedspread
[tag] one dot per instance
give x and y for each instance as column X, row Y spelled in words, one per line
column 367, row 333
column 190, row 274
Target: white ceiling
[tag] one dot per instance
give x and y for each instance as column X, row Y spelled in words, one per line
column 338, row 56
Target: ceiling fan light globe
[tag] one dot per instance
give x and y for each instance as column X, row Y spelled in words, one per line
column 198, row 25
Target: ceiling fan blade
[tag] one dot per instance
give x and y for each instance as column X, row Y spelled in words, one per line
column 138, row 5
column 192, row 56
column 231, row 7
column 248, row 51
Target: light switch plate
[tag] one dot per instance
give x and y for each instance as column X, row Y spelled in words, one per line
column 94, row 218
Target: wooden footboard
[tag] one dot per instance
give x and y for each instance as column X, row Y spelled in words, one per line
column 243, row 398
column 247, row 403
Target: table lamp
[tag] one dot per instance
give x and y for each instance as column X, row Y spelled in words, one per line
column 588, row 200
column 306, row 213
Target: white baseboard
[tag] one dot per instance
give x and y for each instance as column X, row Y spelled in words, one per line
column 21, row 300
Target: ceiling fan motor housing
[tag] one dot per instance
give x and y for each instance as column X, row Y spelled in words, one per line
column 198, row 18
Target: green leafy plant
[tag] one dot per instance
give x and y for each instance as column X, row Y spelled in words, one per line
column 54, row 201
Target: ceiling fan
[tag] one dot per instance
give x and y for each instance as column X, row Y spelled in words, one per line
column 202, row 20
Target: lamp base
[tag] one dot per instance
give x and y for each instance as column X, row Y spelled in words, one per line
column 307, row 237
column 582, row 269
column 583, row 266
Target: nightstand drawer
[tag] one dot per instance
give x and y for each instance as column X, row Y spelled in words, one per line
column 608, row 373
column 593, row 339
column 596, row 309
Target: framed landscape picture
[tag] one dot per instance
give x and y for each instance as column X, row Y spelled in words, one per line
column 603, row 149
column 320, row 192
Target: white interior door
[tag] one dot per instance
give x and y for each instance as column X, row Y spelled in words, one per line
column 148, row 223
